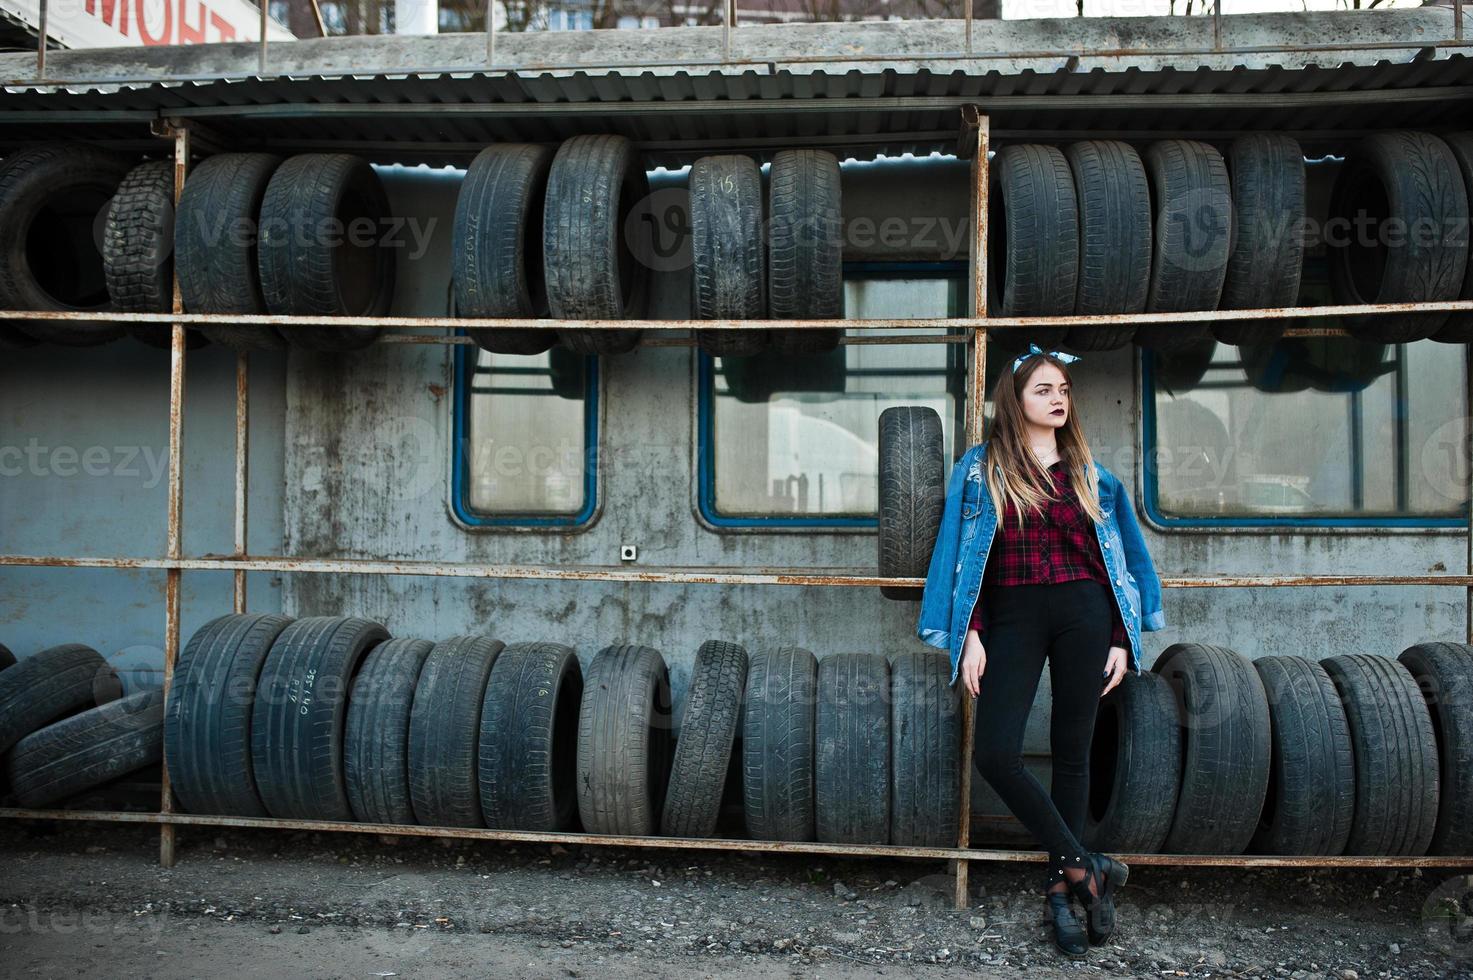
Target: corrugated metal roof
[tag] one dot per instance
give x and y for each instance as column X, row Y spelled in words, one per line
column 859, row 109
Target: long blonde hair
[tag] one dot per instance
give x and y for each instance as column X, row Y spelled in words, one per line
column 1014, row 473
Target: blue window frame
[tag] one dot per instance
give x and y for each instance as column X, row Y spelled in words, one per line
column 1305, row 432
column 556, row 373
column 785, row 396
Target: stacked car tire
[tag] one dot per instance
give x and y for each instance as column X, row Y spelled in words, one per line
column 1353, row 754
column 1093, row 227
column 251, row 234
column 328, row 718
column 1099, row 228
column 66, row 725
column 564, row 235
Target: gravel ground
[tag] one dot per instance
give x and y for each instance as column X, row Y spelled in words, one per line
column 81, row 900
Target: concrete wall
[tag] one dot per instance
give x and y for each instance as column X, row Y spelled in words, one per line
column 84, row 439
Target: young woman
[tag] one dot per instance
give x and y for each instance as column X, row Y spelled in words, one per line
column 1067, row 578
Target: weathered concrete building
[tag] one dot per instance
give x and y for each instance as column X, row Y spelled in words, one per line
column 442, row 453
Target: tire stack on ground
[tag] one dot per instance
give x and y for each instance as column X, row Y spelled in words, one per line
column 709, row 730
column 327, row 718
column 1211, row 753
column 66, row 727
column 856, row 748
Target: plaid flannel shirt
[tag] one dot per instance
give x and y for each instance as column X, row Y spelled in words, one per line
column 1058, row 547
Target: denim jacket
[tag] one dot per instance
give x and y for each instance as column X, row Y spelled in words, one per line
column 968, row 527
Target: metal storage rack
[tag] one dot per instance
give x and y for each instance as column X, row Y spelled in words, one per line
column 973, row 144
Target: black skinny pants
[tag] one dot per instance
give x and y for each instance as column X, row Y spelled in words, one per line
column 1069, row 623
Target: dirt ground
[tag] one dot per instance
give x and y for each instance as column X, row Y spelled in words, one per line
column 91, row 900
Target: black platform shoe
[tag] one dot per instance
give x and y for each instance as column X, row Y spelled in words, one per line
column 1109, row 876
column 1068, row 933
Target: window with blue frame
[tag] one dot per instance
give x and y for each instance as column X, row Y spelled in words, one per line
column 525, row 438
column 1306, row 431
column 792, row 440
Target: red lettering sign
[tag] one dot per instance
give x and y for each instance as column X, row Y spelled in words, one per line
column 226, row 29
column 178, row 26
column 114, row 13
column 189, row 33
column 143, row 29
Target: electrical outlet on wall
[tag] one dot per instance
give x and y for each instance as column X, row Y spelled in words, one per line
column 628, row 552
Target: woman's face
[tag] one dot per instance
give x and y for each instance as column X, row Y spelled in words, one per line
column 1046, row 398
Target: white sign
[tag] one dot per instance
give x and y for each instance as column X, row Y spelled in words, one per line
column 121, row 23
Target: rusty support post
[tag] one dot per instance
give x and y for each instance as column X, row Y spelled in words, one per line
column 1216, row 25
column 242, row 471
column 175, row 547
column 490, row 34
column 262, row 58
column 976, row 398
column 1458, row 21
column 728, row 11
column 968, row 17
column 41, row 42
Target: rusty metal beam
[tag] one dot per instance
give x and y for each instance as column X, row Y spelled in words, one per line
column 885, row 339
column 737, row 844
column 450, row 339
column 695, row 575
column 675, row 575
column 919, row 323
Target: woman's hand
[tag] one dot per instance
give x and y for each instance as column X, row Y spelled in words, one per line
column 974, row 662
column 1114, row 669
